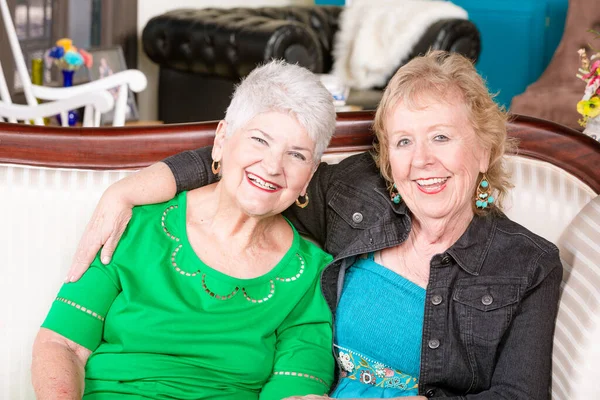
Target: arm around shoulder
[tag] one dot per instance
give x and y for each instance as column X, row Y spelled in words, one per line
column 153, row 184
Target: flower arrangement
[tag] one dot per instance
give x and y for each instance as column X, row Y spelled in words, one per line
column 68, row 57
column 589, row 72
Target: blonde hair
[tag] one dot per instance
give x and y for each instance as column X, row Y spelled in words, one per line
column 441, row 75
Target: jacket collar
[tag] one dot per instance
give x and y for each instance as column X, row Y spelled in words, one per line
column 400, row 208
column 471, row 249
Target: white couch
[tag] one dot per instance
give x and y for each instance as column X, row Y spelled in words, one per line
column 51, row 179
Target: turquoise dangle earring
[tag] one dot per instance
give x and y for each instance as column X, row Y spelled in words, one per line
column 484, row 198
column 394, row 195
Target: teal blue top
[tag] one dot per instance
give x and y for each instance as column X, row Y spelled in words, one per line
column 379, row 323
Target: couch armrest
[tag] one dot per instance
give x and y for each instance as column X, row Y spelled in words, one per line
column 456, row 35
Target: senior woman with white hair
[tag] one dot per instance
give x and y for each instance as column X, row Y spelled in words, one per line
column 212, row 294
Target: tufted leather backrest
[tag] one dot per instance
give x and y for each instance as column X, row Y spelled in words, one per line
column 230, row 42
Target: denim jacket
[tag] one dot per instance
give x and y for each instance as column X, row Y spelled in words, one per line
column 491, row 299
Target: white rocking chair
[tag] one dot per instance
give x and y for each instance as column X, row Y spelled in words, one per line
column 93, row 95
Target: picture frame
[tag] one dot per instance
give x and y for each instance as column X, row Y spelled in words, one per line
column 107, row 61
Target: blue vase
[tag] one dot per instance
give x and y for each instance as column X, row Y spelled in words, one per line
column 68, row 82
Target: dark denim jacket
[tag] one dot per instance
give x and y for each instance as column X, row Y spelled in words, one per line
column 491, row 299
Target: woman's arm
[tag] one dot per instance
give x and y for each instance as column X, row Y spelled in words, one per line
column 153, row 184
column 71, row 331
column 58, row 366
column 160, row 182
column 304, row 362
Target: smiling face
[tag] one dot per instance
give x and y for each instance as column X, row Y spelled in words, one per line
column 267, row 164
column 435, row 158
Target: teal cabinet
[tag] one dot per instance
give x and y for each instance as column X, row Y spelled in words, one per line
column 518, row 38
column 556, row 15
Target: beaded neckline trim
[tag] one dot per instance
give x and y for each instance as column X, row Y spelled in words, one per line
column 235, row 291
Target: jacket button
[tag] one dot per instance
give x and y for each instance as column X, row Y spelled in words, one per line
column 487, row 299
column 445, row 260
column 436, row 299
column 434, row 344
column 357, row 217
column 430, row 393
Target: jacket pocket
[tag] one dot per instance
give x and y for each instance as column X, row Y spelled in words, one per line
column 351, row 214
column 485, row 307
column 356, row 208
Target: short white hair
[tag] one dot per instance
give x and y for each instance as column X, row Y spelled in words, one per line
column 286, row 88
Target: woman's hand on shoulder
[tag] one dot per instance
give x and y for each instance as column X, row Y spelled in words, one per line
column 105, row 228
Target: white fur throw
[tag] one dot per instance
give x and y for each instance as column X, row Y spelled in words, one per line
column 375, row 36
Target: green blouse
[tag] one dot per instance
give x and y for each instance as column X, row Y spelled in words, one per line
column 162, row 324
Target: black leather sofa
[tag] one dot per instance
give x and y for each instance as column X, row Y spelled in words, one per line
column 203, row 53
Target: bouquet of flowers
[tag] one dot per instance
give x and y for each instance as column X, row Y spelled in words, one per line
column 589, row 72
column 68, row 57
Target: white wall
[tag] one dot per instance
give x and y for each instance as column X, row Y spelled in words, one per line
column 147, row 100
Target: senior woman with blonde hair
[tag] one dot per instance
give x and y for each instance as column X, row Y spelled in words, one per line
column 436, row 293
column 212, row 294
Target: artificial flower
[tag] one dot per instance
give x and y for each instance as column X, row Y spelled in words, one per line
column 88, row 59
column 65, row 43
column 68, row 57
column 589, row 108
column 589, row 72
column 594, row 70
column 74, row 59
column 591, row 89
column 56, row 52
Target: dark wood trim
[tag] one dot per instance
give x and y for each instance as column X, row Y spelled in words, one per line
column 139, row 146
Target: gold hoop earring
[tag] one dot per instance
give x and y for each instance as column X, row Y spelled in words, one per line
column 215, row 167
column 304, row 204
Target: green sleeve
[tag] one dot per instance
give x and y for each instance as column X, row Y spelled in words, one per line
column 304, row 359
column 80, row 308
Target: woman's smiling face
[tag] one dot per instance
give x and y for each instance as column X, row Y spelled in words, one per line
column 267, row 164
column 435, row 158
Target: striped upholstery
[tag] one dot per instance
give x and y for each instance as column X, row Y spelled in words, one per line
column 545, row 198
column 44, row 212
column 576, row 355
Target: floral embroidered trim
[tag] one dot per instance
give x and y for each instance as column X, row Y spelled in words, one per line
column 162, row 222
column 81, row 308
column 300, row 374
column 355, row 366
column 236, row 290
